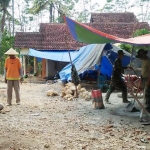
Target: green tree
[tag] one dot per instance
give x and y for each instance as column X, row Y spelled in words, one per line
column 25, row 20
column 143, row 7
column 126, row 6
column 141, row 32
column 116, row 6
column 87, row 8
column 7, row 43
column 4, row 4
column 126, row 47
column 81, row 17
column 59, row 6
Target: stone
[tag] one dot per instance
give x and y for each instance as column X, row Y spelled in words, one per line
column 109, row 126
column 46, row 146
column 1, row 107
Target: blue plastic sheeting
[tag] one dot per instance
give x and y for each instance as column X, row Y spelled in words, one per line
column 113, row 55
column 65, row 73
column 106, row 66
column 95, row 56
column 53, row 55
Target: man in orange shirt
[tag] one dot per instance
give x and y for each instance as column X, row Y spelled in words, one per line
column 13, row 73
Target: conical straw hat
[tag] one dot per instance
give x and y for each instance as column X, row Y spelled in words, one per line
column 11, row 51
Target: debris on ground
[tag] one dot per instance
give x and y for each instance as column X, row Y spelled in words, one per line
column 52, row 93
column 69, row 92
column 42, row 123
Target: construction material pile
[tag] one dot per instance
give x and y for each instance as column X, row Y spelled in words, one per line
column 52, row 92
column 69, row 92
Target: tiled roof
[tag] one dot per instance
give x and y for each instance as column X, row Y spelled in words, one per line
column 54, row 36
column 27, row 39
column 57, row 36
column 50, row 37
column 126, row 17
column 121, row 30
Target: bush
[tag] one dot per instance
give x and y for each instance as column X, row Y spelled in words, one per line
column 126, row 47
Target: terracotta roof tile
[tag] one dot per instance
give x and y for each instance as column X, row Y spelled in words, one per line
column 53, row 36
column 27, row 39
column 50, row 37
column 125, row 30
column 126, row 17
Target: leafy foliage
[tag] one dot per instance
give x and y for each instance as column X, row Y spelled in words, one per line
column 141, row 32
column 116, row 6
column 7, row 43
column 127, row 5
column 3, row 6
column 126, row 47
column 4, row 3
column 59, row 6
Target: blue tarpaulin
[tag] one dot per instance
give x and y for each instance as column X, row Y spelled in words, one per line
column 62, row 55
column 95, row 56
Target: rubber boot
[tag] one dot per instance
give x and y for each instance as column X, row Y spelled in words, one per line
column 147, row 98
column 107, row 97
column 124, row 96
column 147, row 105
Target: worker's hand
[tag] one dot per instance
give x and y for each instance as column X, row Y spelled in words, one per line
column 21, row 79
column 5, row 80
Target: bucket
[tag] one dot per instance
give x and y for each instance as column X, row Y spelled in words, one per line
column 97, row 102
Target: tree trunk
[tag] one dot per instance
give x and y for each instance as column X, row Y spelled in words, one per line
column 13, row 27
column 54, row 14
column 3, row 20
column 51, row 12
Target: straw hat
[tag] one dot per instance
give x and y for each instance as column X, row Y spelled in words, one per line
column 11, row 51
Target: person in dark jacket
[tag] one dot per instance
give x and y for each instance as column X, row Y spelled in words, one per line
column 116, row 81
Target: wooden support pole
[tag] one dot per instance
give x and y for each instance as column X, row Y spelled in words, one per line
column 75, row 85
column 24, row 65
column 35, row 65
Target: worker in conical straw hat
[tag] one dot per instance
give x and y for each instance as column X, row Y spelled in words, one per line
column 13, row 74
column 11, row 52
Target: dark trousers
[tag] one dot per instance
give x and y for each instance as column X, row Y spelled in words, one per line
column 117, row 84
column 146, row 93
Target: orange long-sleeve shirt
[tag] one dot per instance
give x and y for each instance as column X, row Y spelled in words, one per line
column 12, row 67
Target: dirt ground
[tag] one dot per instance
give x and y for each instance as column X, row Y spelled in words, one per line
column 43, row 122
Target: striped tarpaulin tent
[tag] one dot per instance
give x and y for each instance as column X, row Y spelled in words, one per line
column 86, row 34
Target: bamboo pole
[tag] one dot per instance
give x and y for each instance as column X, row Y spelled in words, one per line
column 71, row 65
